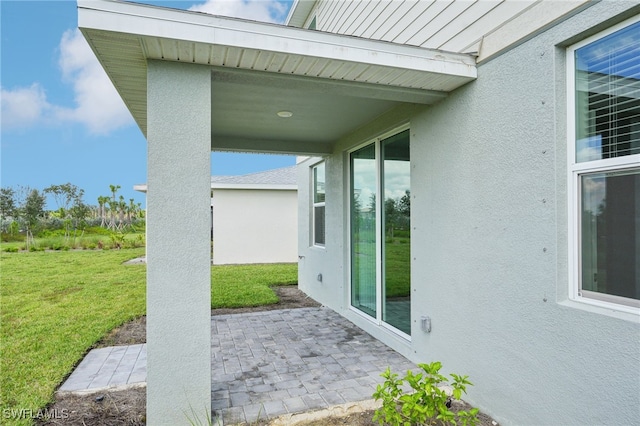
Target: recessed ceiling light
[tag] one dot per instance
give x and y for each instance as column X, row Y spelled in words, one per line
column 285, row 114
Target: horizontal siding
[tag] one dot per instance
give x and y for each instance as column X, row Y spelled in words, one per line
column 421, row 19
column 360, row 11
column 454, row 19
column 455, row 26
column 326, row 15
column 382, row 15
column 473, row 33
column 378, row 9
column 394, row 21
column 343, row 16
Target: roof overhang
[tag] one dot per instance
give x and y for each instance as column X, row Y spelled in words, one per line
column 299, row 12
column 258, row 67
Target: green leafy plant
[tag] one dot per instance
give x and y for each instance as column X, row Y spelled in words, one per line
column 117, row 240
column 426, row 403
column 194, row 419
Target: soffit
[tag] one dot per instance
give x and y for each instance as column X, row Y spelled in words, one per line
column 328, row 78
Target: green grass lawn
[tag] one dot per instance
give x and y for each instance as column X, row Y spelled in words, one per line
column 56, row 305
column 234, row 286
column 397, row 264
column 398, row 267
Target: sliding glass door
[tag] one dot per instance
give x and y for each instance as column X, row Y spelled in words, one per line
column 364, row 266
column 381, row 232
column 396, row 308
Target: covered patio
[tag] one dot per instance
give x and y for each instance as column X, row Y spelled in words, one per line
column 195, row 83
column 274, row 363
column 265, row 365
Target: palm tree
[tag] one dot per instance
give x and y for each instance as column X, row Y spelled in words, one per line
column 122, row 207
column 131, row 210
column 113, row 205
column 102, row 200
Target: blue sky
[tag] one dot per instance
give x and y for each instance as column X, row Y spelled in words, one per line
column 61, row 119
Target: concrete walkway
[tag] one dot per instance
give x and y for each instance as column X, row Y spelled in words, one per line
column 267, row 364
column 115, row 367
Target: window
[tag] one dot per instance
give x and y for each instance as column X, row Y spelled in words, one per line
column 604, row 167
column 380, row 237
column 318, row 204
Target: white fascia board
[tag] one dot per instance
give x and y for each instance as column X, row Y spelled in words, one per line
column 140, row 188
column 263, row 186
column 197, row 27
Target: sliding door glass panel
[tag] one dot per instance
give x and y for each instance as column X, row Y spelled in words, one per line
column 396, row 309
column 363, row 230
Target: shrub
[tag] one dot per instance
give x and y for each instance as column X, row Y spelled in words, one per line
column 12, row 238
column 51, row 243
column 117, row 240
column 98, row 230
column 138, row 241
column 89, row 242
column 427, row 402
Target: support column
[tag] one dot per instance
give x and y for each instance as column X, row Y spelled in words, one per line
column 178, row 246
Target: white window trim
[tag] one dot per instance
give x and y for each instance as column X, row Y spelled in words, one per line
column 574, row 171
column 379, row 206
column 314, row 205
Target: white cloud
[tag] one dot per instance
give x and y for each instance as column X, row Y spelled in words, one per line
column 256, row 10
column 98, row 105
column 23, row 106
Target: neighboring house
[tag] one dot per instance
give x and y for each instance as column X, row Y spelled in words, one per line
column 472, row 196
column 255, row 217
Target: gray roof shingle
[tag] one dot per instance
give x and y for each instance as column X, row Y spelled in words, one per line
column 281, row 176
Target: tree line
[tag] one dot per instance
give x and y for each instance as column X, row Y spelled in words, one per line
column 24, row 209
column 397, row 213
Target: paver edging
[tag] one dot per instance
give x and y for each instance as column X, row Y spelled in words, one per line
column 340, row 410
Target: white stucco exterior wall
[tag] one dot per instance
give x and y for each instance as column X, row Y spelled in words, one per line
column 489, row 244
column 254, row 226
column 178, row 256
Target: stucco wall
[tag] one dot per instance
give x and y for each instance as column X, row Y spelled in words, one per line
column 489, row 245
column 327, row 260
column 178, row 259
column 254, row 226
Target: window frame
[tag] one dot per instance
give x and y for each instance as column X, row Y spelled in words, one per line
column 315, row 204
column 575, row 171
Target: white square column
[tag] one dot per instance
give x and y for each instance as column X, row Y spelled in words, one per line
column 178, row 243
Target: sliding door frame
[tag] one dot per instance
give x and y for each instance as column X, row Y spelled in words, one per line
column 379, row 229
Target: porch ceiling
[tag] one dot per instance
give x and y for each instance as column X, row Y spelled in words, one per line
column 331, row 83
